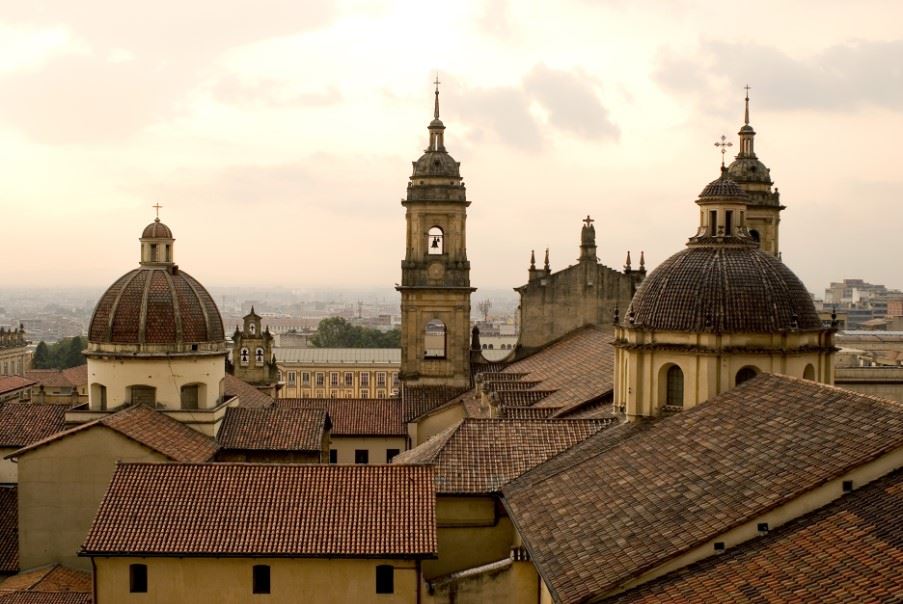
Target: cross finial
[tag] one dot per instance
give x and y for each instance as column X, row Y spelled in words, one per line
column 589, row 221
column 157, row 207
column 746, row 114
column 436, row 109
column 723, row 145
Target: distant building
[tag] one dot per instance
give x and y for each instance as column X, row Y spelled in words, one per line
column 252, row 355
column 60, row 386
column 14, row 356
column 338, row 372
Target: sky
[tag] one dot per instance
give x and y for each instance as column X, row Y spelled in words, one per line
column 278, row 135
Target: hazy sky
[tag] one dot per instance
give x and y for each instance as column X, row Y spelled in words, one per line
column 278, row 135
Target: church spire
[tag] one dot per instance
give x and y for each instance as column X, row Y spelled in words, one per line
column 436, row 108
column 745, row 115
column 747, row 134
column 437, row 128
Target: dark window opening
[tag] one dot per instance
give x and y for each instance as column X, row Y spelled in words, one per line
column 434, row 340
column 190, row 397
column 390, row 454
column 361, row 456
column 728, row 222
column 137, row 578
column 674, row 393
column 261, row 579
column 333, row 456
column 435, row 241
column 385, row 579
column 847, row 486
column 747, row 373
column 713, row 223
column 754, row 234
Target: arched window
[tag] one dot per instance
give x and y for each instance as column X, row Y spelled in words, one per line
column 258, row 356
column 435, row 241
column 252, row 328
column 674, row 386
column 809, row 373
column 754, row 234
column 746, row 373
column 99, row 396
column 244, row 357
column 434, row 340
column 142, row 395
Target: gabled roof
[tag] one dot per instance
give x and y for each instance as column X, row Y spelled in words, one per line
column 660, row 490
column 249, row 396
column 481, row 455
column 11, row 383
column 52, row 584
column 148, row 427
column 77, row 376
column 273, row 429
column 305, row 510
column 49, row 378
column 417, row 401
column 9, row 529
column 356, row 416
column 24, row 423
column 848, row 551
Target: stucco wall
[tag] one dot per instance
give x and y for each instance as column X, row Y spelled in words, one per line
column 60, row 488
column 376, row 445
column 435, row 422
column 504, row 582
column 229, row 581
column 9, row 470
column 471, row 532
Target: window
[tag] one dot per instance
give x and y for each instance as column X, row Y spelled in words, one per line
column 674, row 393
column 380, row 394
column 258, row 356
column 713, row 222
column 349, row 378
column 333, row 456
column 435, row 241
column 381, row 379
column 291, row 377
column 252, row 328
column 395, row 382
column 754, row 234
column 261, row 579
column 434, row 340
column 728, row 221
column 319, row 394
column 365, row 379
column 143, row 395
column 305, row 378
column 321, row 379
column 153, row 252
column 333, row 394
column 390, row 454
column 334, row 379
column 190, row 396
column 809, row 373
column 746, row 373
column 244, row 357
column 99, row 396
column 385, row 579
column 138, row 578
column 365, row 393
column 361, row 456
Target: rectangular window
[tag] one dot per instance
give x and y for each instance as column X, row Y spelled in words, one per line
column 333, row 456
column 334, row 379
column 381, row 379
column 321, row 379
column 365, row 379
column 365, row 394
column 305, row 378
column 361, row 456
column 713, row 222
column 395, row 382
column 190, row 397
column 319, row 394
column 390, row 454
column 380, row 394
column 349, row 378
column 333, row 394
column 728, row 221
column 138, row 578
column 385, row 579
column 292, row 376
column 261, row 579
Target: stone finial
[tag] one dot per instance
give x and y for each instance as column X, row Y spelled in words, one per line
column 642, row 260
column 547, row 268
column 627, row 262
column 475, row 339
column 532, row 260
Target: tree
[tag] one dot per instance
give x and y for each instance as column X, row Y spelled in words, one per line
column 61, row 355
column 336, row 332
column 41, row 358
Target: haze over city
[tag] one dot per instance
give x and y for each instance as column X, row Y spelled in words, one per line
column 278, row 138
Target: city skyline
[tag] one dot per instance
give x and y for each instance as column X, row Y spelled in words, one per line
column 279, row 140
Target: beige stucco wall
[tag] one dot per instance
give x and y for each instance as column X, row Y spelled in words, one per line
column 437, row 421
column 9, row 470
column 886, row 382
column 376, row 445
column 505, row 582
column 60, row 488
column 471, row 532
column 228, row 581
column 166, row 374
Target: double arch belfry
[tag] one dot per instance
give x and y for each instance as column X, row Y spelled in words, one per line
column 435, row 272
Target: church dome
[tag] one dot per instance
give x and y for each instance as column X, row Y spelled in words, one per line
column 723, row 188
column 433, row 164
column 156, row 305
column 723, row 289
column 156, row 230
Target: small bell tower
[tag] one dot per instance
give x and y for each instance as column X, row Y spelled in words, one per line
column 252, row 355
column 435, row 273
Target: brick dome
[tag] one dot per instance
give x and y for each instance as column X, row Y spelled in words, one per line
column 723, row 187
column 156, row 230
column 722, row 289
column 157, row 306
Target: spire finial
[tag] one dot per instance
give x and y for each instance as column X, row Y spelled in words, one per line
column 436, row 109
column 589, row 221
column 532, row 259
column 157, row 207
column 746, row 115
column 547, row 260
column 627, row 262
column 642, row 260
column 723, row 145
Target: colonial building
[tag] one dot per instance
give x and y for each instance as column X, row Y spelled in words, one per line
column 587, row 293
column 252, row 355
column 338, row 372
column 435, row 273
column 714, row 315
column 14, row 356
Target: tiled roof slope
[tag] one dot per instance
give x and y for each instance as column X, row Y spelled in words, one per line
column 273, row 429
column 24, row 423
column 150, row 428
column 249, row 396
column 356, row 416
column 594, row 518
column 267, row 509
column 77, row 376
column 9, row 383
column 482, row 455
column 52, row 584
column 848, row 551
column 49, row 378
column 9, row 529
column 419, row 400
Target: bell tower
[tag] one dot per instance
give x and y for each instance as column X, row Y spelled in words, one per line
column 435, row 273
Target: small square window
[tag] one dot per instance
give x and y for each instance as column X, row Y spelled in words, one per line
column 385, row 579
column 261, row 579
column 333, row 456
column 847, row 486
column 361, row 456
column 138, row 578
column 390, row 454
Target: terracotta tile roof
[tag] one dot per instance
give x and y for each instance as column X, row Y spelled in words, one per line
column 152, row 429
column 848, row 551
column 273, row 428
column 24, row 423
column 11, row 383
column 53, row 584
column 249, row 396
column 77, row 376
column 527, row 398
column 357, row 416
column 420, row 400
column 9, row 529
column 49, row 378
column 267, row 509
column 687, row 478
column 482, row 455
column 515, row 412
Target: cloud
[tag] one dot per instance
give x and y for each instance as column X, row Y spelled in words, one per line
column 271, row 93
column 840, row 78
column 571, row 103
column 502, row 113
